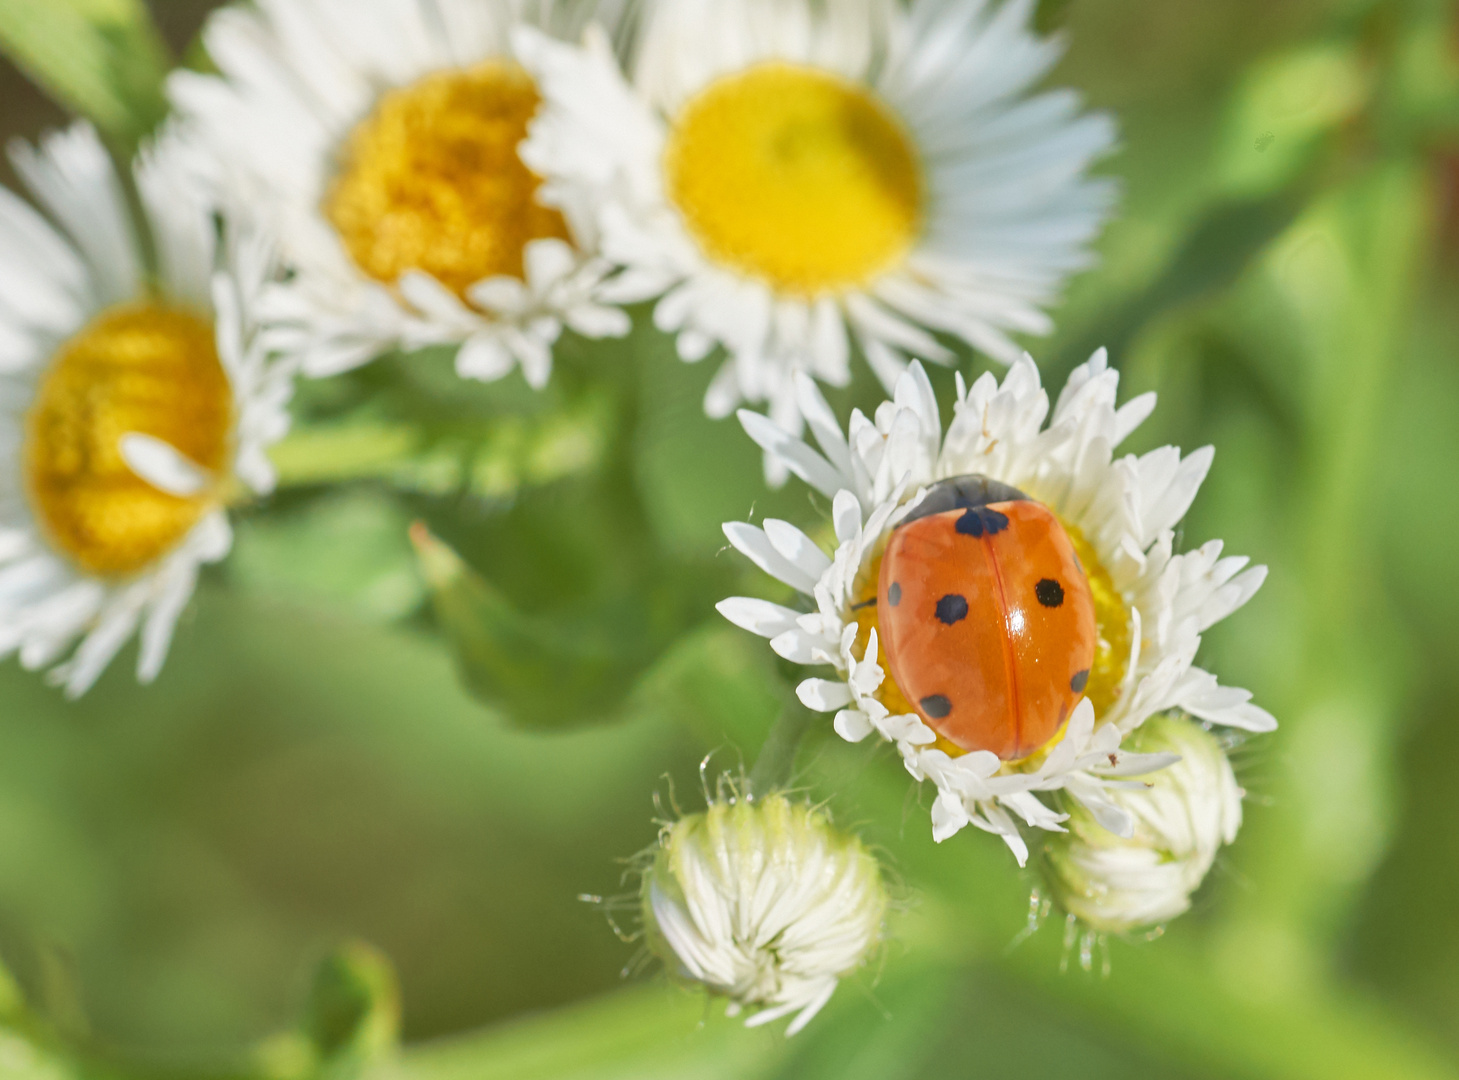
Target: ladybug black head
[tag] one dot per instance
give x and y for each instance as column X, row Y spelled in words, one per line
column 963, row 493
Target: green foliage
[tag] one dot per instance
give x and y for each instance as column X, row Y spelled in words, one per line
column 101, row 58
column 354, row 1012
column 351, row 1023
column 349, row 548
column 308, row 769
column 540, row 672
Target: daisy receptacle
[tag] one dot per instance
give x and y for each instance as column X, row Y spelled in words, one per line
column 765, row 902
column 795, row 181
column 137, row 400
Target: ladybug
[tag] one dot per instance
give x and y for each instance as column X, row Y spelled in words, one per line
column 986, row 617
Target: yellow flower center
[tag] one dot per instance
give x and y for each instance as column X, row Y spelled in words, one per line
column 145, row 369
column 1112, row 620
column 1111, row 650
column 796, row 176
column 431, row 180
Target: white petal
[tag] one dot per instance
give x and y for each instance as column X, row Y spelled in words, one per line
column 755, row 546
column 163, row 466
column 824, row 695
column 484, row 357
column 800, row 458
column 758, row 616
column 796, row 546
column 161, row 621
column 853, row 725
column 548, row 261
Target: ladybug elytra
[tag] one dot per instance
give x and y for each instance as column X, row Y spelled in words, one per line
column 986, row 617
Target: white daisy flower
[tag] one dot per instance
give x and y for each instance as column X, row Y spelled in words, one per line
column 135, row 403
column 1151, row 604
column 378, row 140
column 797, row 179
column 763, row 901
column 1182, row 816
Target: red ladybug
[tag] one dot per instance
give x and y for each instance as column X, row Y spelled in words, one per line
column 986, row 617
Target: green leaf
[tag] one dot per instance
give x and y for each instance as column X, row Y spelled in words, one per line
column 29, row 1043
column 644, row 1033
column 544, row 672
column 1283, row 109
column 1346, row 278
column 351, row 1023
column 719, row 682
column 349, row 548
column 1215, row 252
column 104, row 59
column 354, row 1011
column 885, row 1032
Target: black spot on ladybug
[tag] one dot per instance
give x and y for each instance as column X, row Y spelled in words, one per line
column 980, row 521
column 936, row 706
column 1049, row 592
column 1079, row 681
column 894, row 594
column 952, row 608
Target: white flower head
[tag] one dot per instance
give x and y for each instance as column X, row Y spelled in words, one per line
column 1151, row 603
column 1182, row 817
column 135, row 402
column 765, row 902
column 377, row 139
column 794, row 179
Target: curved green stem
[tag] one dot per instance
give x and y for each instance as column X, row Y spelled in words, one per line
column 775, row 764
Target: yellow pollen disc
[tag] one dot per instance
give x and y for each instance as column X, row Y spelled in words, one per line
column 431, row 180
column 1111, row 619
column 142, row 368
column 1111, row 650
column 796, row 176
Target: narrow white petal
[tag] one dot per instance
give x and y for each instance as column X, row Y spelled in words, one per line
column 758, row 616
column 163, row 466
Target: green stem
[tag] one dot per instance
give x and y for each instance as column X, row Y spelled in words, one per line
column 311, row 456
column 775, row 764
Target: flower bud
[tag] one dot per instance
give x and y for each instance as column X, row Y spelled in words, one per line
column 765, row 902
column 1183, row 815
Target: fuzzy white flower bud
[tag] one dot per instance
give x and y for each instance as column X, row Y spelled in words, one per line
column 1183, row 815
column 765, row 902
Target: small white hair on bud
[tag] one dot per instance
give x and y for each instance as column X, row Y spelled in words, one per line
column 1182, row 817
column 765, row 902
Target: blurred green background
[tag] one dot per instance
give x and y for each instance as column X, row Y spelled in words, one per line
column 176, row 861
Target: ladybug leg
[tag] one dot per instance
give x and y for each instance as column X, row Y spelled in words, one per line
column 864, row 604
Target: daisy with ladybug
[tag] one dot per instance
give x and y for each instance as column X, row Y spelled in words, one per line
column 1004, row 601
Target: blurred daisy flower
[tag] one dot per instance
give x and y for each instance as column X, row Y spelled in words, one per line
column 765, row 902
column 1150, row 604
column 137, row 402
column 795, row 179
column 378, row 140
column 1182, row 816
